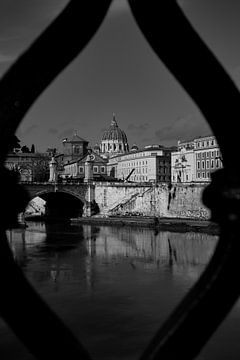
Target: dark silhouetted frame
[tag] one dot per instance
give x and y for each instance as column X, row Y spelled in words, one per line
column 187, row 57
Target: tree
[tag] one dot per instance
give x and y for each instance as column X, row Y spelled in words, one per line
column 52, row 151
column 40, row 169
column 14, row 144
column 25, row 149
column 33, row 148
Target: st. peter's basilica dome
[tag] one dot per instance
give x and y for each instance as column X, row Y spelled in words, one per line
column 114, row 140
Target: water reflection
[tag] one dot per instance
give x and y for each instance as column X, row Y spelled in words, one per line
column 142, row 248
column 113, row 286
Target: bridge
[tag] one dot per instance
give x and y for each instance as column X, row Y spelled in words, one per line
column 62, row 199
column 78, row 190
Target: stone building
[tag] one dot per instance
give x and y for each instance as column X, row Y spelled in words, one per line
column 74, row 148
column 113, row 141
column 152, row 163
column 30, row 166
column 208, row 157
column 183, row 165
column 76, row 169
column 195, row 160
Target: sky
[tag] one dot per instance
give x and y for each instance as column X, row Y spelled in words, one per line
column 117, row 73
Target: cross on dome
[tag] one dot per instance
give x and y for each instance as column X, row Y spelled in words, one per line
column 114, row 121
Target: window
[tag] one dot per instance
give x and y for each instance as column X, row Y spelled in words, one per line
column 102, row 169
column 203, row 175
column 76, row 150
column 207, row 164
column 198, row 165
column 203, row 164
column 198, row 175
column 95, row 169
column 212, row 164
column 81, row 169
column 207, row 154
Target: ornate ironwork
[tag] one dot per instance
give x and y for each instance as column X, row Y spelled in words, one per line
column 195, row 67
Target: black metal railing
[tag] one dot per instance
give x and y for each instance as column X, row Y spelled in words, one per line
column 195, row 67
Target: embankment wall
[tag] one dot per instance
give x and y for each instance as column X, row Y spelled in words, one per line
column 162, row 200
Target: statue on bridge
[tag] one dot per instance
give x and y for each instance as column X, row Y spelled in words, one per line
column 89, row 167
column 53, row 170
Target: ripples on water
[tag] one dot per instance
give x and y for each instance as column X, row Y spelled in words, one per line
column 113, row 286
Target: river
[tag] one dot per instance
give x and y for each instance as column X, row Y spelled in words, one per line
column 114, row 286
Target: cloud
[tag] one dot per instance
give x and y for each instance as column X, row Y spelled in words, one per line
column 29, row 129
column 184, row 128
column 184, row 3
column 118, row 7
column 53, row 131
column 66, row 133
column 6, row 58
column 181, row 2
column 53, row 9
column 4, row 39
column 148, row 140
column 139, row 129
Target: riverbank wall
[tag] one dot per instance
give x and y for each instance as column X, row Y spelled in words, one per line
column 182, row 201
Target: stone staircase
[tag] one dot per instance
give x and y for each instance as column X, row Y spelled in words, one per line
column 123, row 205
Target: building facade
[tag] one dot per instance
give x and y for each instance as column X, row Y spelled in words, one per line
column 183, row 165
column 29, row 166
column 74, row 148
column 76, row 169
column 196, row 159
column 150, row 164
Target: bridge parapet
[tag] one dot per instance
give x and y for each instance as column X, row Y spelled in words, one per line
column 34, row 189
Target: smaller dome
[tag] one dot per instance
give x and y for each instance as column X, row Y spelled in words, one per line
column 153, row 146
column 134, row 147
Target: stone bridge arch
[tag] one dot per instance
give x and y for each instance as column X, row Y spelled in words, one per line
column 61, row 200
column 70, row 193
